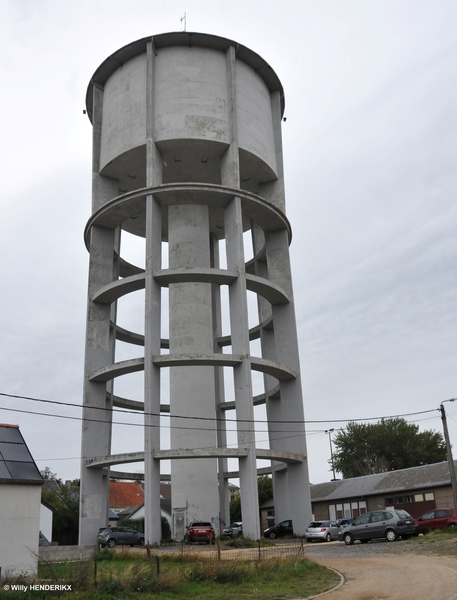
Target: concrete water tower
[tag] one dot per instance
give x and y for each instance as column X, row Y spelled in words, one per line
column 187, row 155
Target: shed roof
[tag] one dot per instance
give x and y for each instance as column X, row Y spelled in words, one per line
column 16, row 463
column 404, row 480
column 125, row 493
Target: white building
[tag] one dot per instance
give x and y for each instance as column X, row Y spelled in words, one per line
column 20, row 501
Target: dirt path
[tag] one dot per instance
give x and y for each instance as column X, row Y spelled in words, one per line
column 398, row 577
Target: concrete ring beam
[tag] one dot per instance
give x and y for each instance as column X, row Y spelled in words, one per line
column 115, row 212
column 274, row 393
column 137, row 339
column 134, row 365
column 177, row 454
column 121, row 287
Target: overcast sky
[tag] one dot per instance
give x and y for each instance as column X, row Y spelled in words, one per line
column 371, row 181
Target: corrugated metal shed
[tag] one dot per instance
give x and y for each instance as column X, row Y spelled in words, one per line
column 426, row 476
column 16, row 463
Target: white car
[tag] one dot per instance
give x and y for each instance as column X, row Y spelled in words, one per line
column 323, row 531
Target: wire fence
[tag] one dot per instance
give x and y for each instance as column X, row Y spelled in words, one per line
column 256, row 553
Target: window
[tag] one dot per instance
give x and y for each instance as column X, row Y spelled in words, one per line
column 430, row 496
column 418, row 497
column 377, row 516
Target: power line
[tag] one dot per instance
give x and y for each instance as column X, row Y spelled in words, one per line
column 213, row 419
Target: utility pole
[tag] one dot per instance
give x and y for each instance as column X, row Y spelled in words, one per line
column 449, row 451
column 329, row 431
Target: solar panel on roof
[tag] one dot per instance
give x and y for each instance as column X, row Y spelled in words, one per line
column 4, row 473
column 17, row 452
column 23, row 470
column 11, row 434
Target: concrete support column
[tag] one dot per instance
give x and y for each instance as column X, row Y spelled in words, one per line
column 96, row 436
column 152, row 330
column 290, row 407
column 153, row 530
column 100, row 345
column 192, row 389
column 239, row 326
column 276, row 434
column 224, row 502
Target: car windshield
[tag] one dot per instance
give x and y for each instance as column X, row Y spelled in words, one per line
column 200, row 524
column 316, row 524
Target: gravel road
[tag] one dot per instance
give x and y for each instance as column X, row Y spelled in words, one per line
column 415, row 569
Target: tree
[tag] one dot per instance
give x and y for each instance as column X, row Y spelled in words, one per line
column 64, row 499
column 389, row 445
column 48, row 475
column 265, row 492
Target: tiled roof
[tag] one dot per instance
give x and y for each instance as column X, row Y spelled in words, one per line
column 125, row 493
column 16, row 462
column 425, row 476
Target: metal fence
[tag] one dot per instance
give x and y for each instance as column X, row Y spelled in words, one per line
column 258, row 553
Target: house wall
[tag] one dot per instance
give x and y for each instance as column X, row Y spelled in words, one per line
column 416, row 502
column 19, row 529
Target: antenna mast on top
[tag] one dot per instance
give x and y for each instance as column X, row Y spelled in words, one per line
column 183, row 22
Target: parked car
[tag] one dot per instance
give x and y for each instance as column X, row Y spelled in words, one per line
column 234, row 530
column 324, row 531
column 389, row 524
column 279, row 530
column 199, row 531
column 111, row 536
column 436, row 519
column 344, row 522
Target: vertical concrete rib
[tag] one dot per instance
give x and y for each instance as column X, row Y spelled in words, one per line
column 233, row 219
column 224, row 505
column 96, row 436
column 290, row 407
column 152, row 522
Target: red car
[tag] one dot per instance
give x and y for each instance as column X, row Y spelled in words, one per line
column 436, row 519
column 199, row 531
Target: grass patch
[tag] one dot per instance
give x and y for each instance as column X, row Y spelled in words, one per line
column 127, row 575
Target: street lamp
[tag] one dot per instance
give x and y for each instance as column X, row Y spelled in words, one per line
column 329, row 431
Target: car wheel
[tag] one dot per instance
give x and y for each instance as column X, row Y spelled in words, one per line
column 391, row 535
column 272, row 535
column 141, row 542
column 186, row 539
column 452, row 525
column 348, row 539
column 328, row 538
column 111, row 543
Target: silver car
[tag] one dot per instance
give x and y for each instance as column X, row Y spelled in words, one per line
column 324, row 531
column 235, row 529
column 389, row 524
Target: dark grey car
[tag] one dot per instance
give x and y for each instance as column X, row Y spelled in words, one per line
column 112, row 536
column 389, row 524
